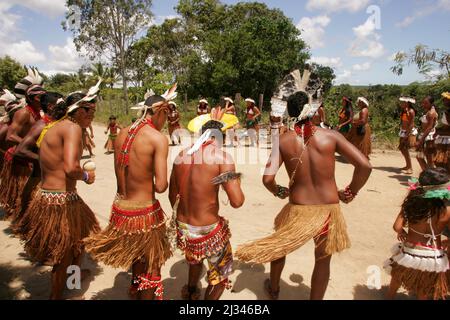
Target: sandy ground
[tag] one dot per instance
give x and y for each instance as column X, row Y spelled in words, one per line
column 369, row 218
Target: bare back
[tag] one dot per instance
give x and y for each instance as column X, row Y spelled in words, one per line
column 53, row 156
column 199, row 203
column 314, row 181
column 136, row 181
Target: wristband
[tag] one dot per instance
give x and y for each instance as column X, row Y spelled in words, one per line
column 348, row 193
column 85, row 176
column 281, row 192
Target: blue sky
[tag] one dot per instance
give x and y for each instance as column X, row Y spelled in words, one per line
column 348, row 35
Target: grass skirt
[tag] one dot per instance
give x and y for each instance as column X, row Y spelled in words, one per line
column 442, row 155
column 364, row 142
column 14, row 177
column 294, row 226
column 136, row 231
column 419, row 271
column 55, row 223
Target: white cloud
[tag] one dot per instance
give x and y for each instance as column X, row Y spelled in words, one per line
column 343, row 77
column 337, row 5
column 65, row 58
column 313, row 30
column 423, row 12
column 367, row 42
column 52, row 8
column 327, row 61
column 362, row 67
column 24, row 52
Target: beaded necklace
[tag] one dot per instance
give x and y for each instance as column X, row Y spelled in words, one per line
column 304, row 134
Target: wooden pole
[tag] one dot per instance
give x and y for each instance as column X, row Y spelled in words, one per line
column 186, row 102
column 261, row 101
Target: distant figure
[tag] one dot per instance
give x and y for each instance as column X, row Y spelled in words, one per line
column 345, row 116
column 113, row 129
column 420, row 263
column 360, row 134
column 173, row 120
column 442, row 141
column 319, row 118
column 408, row 131
column 203, row 107
column 88, row 140
column 252, row 116
column 425, row 147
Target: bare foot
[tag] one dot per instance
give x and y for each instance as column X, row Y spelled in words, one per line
column 273, row 295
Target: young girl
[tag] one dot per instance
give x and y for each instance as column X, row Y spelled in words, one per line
column 420, row 262
column 113, row 129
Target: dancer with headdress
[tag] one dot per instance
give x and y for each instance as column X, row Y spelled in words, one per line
column 313, row 211
column 57, row 219
column 27, row 150
column 319, row 118
column 252, row 121
column 408, row 131
column 16, row 172
column 136, row 235
column 54, row 108
column 345, row 117
column 203, row 107
column 360, row 134
column 11, row 105
column 442, row 142
column 173, row 120
column 419, row 262
column 425, row 147
column 113, row 128
column 196, row 227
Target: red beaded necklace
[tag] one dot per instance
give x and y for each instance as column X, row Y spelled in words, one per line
column 34, row 113
column 47, row 119
column 124, row 156
column 306, row 131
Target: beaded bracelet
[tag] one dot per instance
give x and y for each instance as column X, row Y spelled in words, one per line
column 281, row 192
column 348, row 193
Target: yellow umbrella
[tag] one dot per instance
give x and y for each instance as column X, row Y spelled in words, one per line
column 229, row 121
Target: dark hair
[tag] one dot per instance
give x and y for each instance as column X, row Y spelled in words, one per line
column 151, row 101
column 74, row 98
column 212, row 124
column 49, row 98
column 133, row 120
column 295, row 104
column 348, row 102
column 415, row 207
column 112, row 118
column 430, row 99
column 59, row 110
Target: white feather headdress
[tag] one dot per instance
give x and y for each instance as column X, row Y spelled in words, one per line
column 33, row 78
column 408, row 99
column 7, row 97
column 90, row 95
column 143, row 107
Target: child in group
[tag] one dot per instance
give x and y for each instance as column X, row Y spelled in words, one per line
column 420, row 262
column 113, row 129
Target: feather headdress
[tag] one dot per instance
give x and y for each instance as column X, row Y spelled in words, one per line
column 7, row 97
column 33, row 78
column 153, row 102
column 12, row 107
column 408, row 99
column 90, row 95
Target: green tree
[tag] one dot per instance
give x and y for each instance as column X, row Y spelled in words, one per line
column 110, row 26
column 11, row 72
column 425, row 59
column 216, row 49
